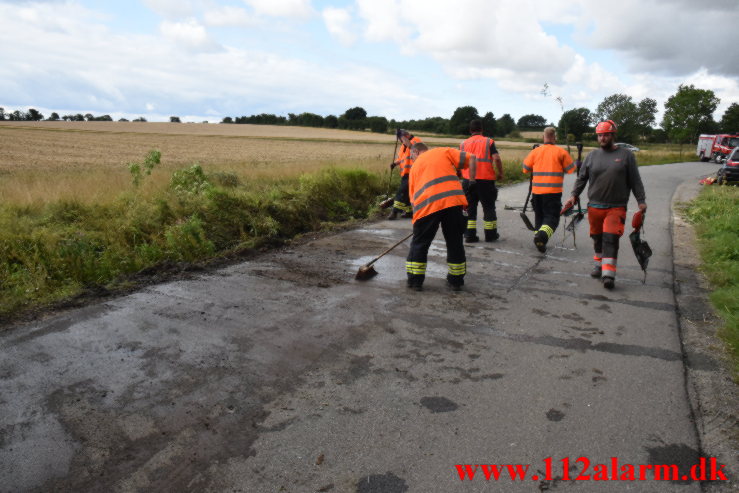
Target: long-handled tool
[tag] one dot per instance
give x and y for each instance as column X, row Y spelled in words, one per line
column 388, row 201
column 524, row 217
column 367, row 271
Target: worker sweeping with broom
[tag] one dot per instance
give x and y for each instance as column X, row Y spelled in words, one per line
column 401, row 205
column 611, row 175
column 438, row 198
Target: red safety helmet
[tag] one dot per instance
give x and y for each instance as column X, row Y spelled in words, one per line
column 606, row 127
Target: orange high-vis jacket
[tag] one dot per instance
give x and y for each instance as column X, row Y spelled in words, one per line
column 480, row 147
column 434, row 184
column 404, row 157
column 548, row 163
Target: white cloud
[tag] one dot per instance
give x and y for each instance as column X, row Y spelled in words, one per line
column 282, row 8
column 230, row 16
column 189, row 34
column 171, row 9
column 339, row 25
column 673, row 37
column 87, row 66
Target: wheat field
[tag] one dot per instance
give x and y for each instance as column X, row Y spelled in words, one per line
column 42, row 162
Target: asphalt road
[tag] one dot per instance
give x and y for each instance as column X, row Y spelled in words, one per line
column 283, row 373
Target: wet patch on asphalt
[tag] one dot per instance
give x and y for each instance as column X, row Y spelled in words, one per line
column 382, row 483
column 439, row 404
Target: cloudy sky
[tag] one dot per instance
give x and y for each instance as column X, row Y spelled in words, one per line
column 403, row 59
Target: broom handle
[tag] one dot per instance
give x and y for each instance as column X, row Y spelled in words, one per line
column 388, row 250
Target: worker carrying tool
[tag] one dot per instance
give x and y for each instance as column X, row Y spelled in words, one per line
column 548, row 165
column 484, row 191
column 612, row 175
column 402, row 204
column 438, row 199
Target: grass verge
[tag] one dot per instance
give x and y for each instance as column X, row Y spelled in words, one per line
column 54, row 251
column 715, row 214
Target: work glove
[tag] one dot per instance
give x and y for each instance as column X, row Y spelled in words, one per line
column 393, row 165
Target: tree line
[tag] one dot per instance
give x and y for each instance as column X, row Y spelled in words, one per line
column 687, row 114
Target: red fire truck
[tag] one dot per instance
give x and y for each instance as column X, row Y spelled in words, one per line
column 716, row 147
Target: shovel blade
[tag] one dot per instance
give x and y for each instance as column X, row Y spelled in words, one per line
column 527, row 222
column 575, row 221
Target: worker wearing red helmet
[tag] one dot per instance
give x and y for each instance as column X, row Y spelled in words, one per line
column 612, row 175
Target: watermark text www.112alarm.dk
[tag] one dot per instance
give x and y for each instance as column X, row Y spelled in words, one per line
column 706, row 469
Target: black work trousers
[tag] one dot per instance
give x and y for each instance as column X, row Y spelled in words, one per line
column 546, row 210
column 483, row 192
column 402, row 198
column 453, row 224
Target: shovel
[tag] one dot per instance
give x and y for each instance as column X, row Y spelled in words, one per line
column 367, row 271
column 524, row 217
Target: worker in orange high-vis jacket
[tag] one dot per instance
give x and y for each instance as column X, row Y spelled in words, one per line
column 402, row 204
column 548, row 165
column 484, row 191
column 438, row 198
column 612, row 175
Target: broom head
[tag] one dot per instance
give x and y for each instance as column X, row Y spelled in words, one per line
column 365, row 272
column 387, row 203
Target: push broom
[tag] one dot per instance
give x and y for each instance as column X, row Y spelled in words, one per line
column 367, row 271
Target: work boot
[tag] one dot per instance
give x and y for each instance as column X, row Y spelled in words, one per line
column 491, row 235
column 455, row 283
column 608, row 282
column 540, row 240
column 393, row 215
column 415, row 282
column 470, row 236
column 596, row 272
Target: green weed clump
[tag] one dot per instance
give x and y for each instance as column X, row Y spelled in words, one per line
column 55, row 251
column 715, row 214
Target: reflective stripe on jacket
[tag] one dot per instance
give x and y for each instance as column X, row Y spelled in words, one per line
column 404, row 157
column 548, row 163
column 434, row 184
column 480, row 147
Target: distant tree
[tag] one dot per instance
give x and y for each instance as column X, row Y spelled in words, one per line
column 331, row 121
column 139, row 119
column 2, row 114
column 34, row 115
column 227, row 119
column 489, row 125
column 174, row 119
column 505, row 125
column 18, row 116
column 353, row 119
column 89, row 117
column 377, row 124
column 54, row 117
column 633, row 120
column 122, row 119
column 576, row 122
column 103, row 118
column 305, row 119
column 688, row 112
column 729, row 122
column 535, row 122
column 356, row 113
column 459, row 123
